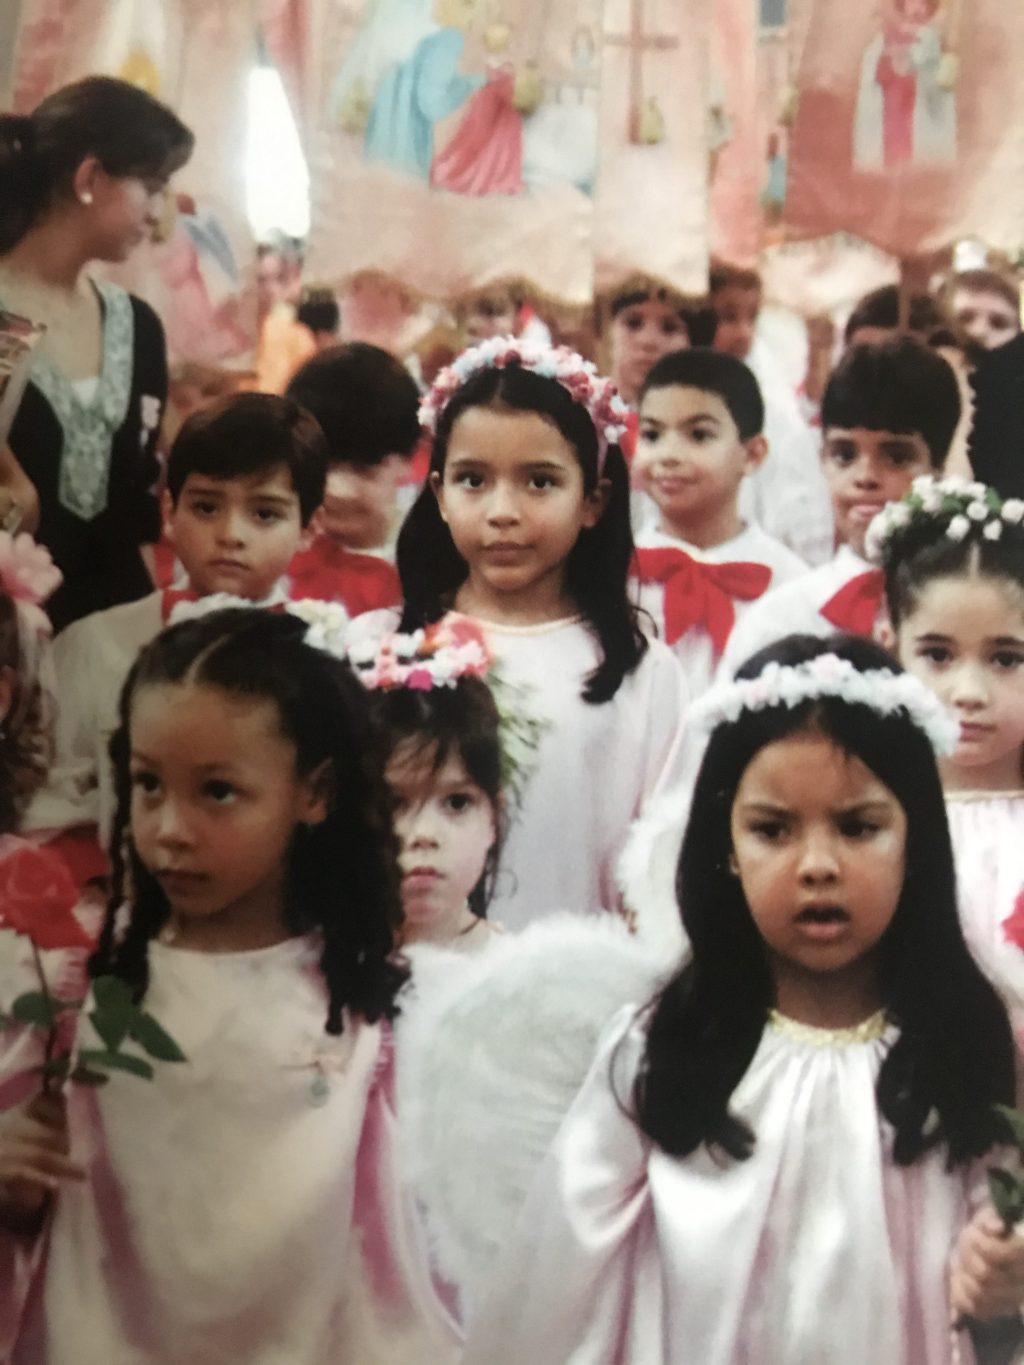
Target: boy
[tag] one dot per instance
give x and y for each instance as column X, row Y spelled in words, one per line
column 889, row 414
column 367, row 405
column 785, row 494
column 244, row 477
column 699, row 564
column 986, row 307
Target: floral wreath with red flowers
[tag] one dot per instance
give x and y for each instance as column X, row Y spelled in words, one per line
column 579, row 377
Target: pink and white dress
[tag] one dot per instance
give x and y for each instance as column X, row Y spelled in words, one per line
column 818, row 1248
column 244, row 1205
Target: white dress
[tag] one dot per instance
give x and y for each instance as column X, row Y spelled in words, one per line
column 695, row 649
column 218, row 1218
column 592, row 770
column 987, row 829
column 818, row 1250
column 794, row 608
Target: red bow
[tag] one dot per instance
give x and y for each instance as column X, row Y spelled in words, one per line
column 171, row 598
column 855, row 605
column 698, row 593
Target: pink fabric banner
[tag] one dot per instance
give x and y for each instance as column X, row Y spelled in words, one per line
column 741, row 166
column 909, row 124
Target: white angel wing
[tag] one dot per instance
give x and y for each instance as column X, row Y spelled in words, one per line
column 646, row 873
column 491, row 1053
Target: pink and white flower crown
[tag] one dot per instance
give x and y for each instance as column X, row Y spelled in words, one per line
column 577, row 376
column 435, row 657
column 28, row 575
column 827, row 675
column 958, row 507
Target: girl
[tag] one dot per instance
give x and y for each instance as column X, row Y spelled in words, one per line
column 443, row 767
column 524, row 528
column 82, row 179
column 772, row 1162
column 212, row 1215
column 953, row 557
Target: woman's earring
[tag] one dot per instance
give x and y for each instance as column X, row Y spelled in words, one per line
column 734, row 870
column 85, row 197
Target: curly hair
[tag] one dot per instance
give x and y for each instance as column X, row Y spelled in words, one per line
column 343, row 873
column 26, row 739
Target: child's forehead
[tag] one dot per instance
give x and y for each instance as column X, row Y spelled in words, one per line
column 275, row 480
column 416, row 764
column 684, row 402
column 871, row 437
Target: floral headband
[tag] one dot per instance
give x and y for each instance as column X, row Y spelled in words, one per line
column 439, row 656
column 882, row 691
column 577, row 376
column 966, row 508
column 28, row 575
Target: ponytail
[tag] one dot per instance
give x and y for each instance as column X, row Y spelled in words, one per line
column 19, row 189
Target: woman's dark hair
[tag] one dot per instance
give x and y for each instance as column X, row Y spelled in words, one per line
column 899, row 385
column 921, row 552
column 460, row 721
column 26, row 745
column 244, row 434
column 343, row 875
column 954, row 1056
column 127, row 130
column 431, row 568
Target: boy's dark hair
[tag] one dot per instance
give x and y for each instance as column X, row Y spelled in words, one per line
column 898, row 385
column 597, row 569
column 881, row 308
column 343, row 877
column 443, row 722
column 717, row 373
column 365, row 400
column 641, row 291
column 318, row 309
column 954, row 1057
column 244, row 434
column 127, row 130
column 733, row 276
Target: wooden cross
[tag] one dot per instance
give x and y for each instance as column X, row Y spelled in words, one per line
column 638, row 41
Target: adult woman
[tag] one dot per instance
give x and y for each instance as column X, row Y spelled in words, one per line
column 82, row 179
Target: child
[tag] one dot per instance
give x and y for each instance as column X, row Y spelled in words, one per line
column 240, row 1205
column 700, row 564
column 889, row 414
column 774, row 1161
column 953, row 557
column 244, row 477
column 524, row 527
column 985, row 306
column 366, row 404
column 784, row 495
column 443, row 766
column 646, row 323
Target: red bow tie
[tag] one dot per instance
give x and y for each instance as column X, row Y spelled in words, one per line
column 698, row 593
column 855, row 606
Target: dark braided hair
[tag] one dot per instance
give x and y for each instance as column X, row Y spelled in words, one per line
column 343, row 873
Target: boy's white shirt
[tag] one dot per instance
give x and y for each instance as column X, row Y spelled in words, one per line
column 92, row 659
column 794, row 608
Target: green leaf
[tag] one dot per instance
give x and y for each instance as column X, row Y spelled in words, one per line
column 155, row 1039
column 111, row 993
column 82, row 1075
column 115, row 1011
column 1012, row 1122
column 34, row 1008
column 112, row 1027
column 116, row 1061
column 1007, row 1193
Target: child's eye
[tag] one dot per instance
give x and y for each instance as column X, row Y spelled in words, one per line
column 1008, row 659
column 204, row 508
column 459, row 801
column 856, row 827
column 769, row 830
column 469, row 480
column 539, row 482
column 268, row 515
column 219, row 791
column 145, row 781
column 935, row 654
column 649, row 434
column 842, row 453
column 701, row 435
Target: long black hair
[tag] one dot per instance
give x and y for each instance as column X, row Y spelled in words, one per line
column 127, row 130
column 451, row 722
column 343, row 876
column 954, row 1056
column 431, row 568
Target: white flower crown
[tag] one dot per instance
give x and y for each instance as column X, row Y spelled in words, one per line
column 968, row 508
column 577, row 376
column 881, row 690
column 327, row 622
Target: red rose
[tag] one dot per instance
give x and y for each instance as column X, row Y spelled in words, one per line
column 1013, row 925
column 38, row 896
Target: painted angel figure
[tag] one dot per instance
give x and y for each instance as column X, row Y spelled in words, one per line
column 906, row 109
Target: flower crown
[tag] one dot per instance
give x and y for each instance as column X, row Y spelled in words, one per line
column 439, row 656
column 966, row 508
column 577, row 376
column 881, row 690
column 28, row 574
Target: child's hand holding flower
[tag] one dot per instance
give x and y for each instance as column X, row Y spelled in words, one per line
column 34, row 1159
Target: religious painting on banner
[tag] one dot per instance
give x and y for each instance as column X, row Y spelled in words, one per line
column 737, row 164
column 906, row 124
column 651, row 212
